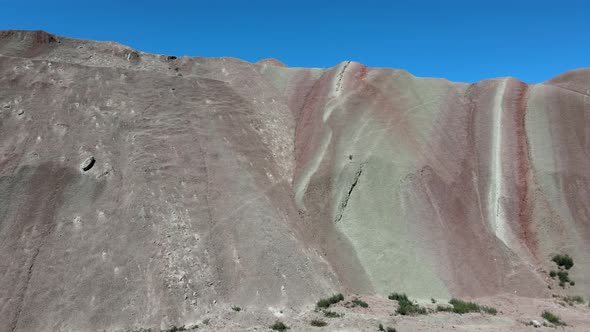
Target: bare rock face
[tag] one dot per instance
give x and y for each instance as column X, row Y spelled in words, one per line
column 217, row 181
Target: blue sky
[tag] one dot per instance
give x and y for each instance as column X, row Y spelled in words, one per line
column 459, row 40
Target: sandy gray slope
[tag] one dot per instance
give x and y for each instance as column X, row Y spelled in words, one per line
column 186, row 204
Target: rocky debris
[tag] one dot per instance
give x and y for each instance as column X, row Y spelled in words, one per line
column 535, row 323
column 133, row 56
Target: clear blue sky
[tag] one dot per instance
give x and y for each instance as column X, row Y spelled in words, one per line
column 459, row 40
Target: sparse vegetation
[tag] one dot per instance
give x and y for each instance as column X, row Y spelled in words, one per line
column 279, row 326
column 463, row 307
column 563, row 276
column 176, row 329
column 552, row 318
column 332, row 314
column 432, row 300
column 236, row 308
column 571, row 300
column 360, row 303
column 206, row 321
column 564, row 261
column 407, row 307
column 318, row 323
column 325, row 303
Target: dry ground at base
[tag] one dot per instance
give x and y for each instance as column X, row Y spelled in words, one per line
column 514, row 314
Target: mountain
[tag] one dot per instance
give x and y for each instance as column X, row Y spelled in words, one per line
column 147, row 190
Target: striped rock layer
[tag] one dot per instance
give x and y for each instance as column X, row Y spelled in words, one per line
column 221, row 181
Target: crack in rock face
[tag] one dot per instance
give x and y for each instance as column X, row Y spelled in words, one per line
column 355, row 181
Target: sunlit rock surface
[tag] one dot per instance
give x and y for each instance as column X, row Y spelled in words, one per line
column 219, row 181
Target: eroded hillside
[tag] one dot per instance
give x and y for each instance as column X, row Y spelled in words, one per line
column 145, row 190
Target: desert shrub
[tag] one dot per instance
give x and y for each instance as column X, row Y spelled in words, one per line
column 563, row 261
column 360, row 303
column 552, row 274
column 563, row 276
column 331, row 314
column 279, row 326
column 572, row 283
column 573, row 299
column 489, row 310
column 236, row 308
column 432, row 300
column 398, row 297
column 318, row 323
column 552, row 318
column 176, row 329
column 463, row 307
column 325, row 303
column 406, row 307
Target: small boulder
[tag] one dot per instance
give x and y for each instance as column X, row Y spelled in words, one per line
column 535, row 323
column 88, row 163
column 133, row 56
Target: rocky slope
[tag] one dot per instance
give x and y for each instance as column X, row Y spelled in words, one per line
column 141, row 190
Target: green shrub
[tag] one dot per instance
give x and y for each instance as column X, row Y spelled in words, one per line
column 176, row 329
column 331, row 314
column 563, row 276
column 572, row 283
column 432, row 300
column 318, row 323
column 552, row 274
column 236, row 308
column 325, row 303
column 563, row 261
column 463, row 307
column 279, row 326
column 552, row 318
column 360, row 303
column 398, row 297
column 406, row 307
column 489, row 310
